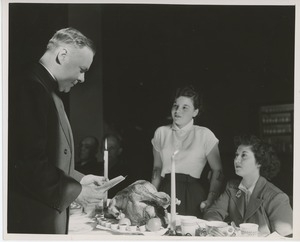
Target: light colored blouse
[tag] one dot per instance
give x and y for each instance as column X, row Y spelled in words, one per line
column 193, row 143
column 248, row 192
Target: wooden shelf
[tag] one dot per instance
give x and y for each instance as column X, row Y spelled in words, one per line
column 276, row 126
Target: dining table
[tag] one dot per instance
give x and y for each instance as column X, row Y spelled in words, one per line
column 82, row 225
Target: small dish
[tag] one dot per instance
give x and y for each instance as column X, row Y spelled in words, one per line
column 142, row 228
column 114, row 226
column 132, row 228
column 122, row 227
column 103, row 223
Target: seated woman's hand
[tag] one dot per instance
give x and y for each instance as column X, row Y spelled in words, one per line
column 205, row 205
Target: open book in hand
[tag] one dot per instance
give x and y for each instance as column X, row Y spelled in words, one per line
column 111, row 183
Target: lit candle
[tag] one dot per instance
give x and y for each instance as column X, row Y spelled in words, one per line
column 105, row 171
column 173, row 193
column 105, row 160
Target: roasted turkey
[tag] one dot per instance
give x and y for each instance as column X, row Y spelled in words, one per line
column 139, row 202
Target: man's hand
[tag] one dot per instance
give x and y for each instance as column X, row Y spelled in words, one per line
column 93, row 180
column 90, row 196
column 91, row 193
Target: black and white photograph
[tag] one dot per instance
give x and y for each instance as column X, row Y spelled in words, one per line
column 150, row 120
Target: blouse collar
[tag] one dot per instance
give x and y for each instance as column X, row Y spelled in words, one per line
column 250, row 189
column 185, row 128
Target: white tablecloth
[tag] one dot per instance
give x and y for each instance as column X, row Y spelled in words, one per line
column 81, row 224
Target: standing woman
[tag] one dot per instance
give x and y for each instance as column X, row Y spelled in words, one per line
column 197, row 145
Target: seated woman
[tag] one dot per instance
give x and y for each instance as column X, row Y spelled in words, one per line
column 253, row 199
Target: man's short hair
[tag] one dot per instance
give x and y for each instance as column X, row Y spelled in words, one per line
column 70, row 36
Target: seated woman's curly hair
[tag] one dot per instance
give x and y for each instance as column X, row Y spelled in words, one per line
column 264, row 154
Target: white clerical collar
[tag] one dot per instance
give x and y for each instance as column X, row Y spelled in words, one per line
column 185, row 128
column 48, row 70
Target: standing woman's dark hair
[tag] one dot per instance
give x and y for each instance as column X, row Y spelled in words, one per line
column 193, row 94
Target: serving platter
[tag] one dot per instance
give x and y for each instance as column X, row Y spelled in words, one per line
column 161, row 232
column 103, row 226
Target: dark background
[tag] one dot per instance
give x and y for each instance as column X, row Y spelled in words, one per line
column 240, row 57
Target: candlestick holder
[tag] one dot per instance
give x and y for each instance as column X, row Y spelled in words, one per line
column 105, row 201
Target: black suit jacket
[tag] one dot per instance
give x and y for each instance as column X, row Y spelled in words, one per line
column 40, row 158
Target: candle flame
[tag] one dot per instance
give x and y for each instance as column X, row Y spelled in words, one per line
column 105, row 144
column 176, row 151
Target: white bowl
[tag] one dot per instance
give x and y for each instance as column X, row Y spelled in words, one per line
column 132, row 228
column 142, row 228
column 122, row 227
column 114, row 226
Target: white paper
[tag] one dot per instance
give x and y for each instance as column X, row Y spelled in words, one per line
column 111, row 183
